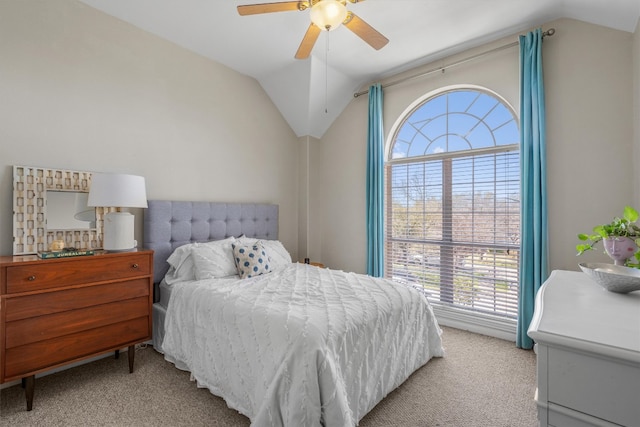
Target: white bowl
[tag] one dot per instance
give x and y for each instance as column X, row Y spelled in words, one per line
column 614, row 278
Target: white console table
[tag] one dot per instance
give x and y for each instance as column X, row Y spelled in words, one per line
column 588, row 353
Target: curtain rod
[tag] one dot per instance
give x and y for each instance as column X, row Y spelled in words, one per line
column 549, row 32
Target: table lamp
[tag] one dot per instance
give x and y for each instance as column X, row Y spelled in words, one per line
column 118, row 191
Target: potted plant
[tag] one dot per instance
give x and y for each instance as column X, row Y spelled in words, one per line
column 621, row 238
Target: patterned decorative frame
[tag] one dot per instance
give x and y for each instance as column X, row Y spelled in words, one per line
column 30, row 233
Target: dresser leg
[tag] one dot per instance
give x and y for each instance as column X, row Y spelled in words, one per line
column 117, row 354
column 132, row 355
column 30, row 384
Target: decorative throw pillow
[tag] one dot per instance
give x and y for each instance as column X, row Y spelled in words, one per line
column 251, row 260
column 277, row 252
column 244, row 240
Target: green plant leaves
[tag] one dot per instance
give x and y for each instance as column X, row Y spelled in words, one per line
column 583, row 248
column 630, row 214
column 602, row 230
column 618, row 227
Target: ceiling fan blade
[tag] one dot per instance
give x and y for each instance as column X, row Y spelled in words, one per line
column 308, row 41
column 365, row 31
column 285, row 6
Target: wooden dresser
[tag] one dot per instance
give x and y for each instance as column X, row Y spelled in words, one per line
column 588, row 353
column 57, row 311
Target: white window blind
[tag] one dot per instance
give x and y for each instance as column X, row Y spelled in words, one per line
column 453, row 210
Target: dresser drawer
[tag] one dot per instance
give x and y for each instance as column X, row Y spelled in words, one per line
column 40, row 328
column 608, row 388
column 65, row 272
column 46, row 303
column 68, row 348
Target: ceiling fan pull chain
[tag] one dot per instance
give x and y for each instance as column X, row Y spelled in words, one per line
column 326, row 73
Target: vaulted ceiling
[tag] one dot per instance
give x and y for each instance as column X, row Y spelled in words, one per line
column 311, row 93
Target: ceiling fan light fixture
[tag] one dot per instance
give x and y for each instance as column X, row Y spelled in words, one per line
column 328, row 14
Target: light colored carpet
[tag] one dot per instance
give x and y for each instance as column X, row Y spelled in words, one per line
column 482, row 381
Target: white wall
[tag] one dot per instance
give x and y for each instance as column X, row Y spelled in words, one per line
column 636, row 114
column 309, row 234
column 588, row 73
column 81, row 90
column 588, row 78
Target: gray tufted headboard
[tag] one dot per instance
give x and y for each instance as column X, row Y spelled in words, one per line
column 169, row 224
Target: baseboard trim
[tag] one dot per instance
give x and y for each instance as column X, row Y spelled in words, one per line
column 492, row 326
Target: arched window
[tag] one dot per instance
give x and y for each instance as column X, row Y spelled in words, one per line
column 453, row 201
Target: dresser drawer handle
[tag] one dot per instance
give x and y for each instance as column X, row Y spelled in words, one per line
column 31, row 278
column 135, row 266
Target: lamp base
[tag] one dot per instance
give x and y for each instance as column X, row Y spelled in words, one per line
column 118, row 232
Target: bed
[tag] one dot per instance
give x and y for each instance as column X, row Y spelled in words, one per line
column 290, row 344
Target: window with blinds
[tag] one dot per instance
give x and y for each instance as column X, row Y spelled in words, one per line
column 453, row 202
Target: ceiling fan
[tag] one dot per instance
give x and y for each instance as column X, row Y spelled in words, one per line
column 326, row 15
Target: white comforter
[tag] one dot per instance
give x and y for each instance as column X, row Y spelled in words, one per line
column 301, row 346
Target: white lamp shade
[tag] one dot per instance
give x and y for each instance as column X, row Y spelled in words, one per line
column 328, row 14
column 117, row 190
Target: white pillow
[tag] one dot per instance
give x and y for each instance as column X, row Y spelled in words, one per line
column 214, row 259
column 277, row 252
column 251, row 260
column 181, row 264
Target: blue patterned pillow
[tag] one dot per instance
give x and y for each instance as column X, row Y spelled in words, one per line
column 251, row 260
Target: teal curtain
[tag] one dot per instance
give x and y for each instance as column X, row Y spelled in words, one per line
column 375, row 184
column 533, row 252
